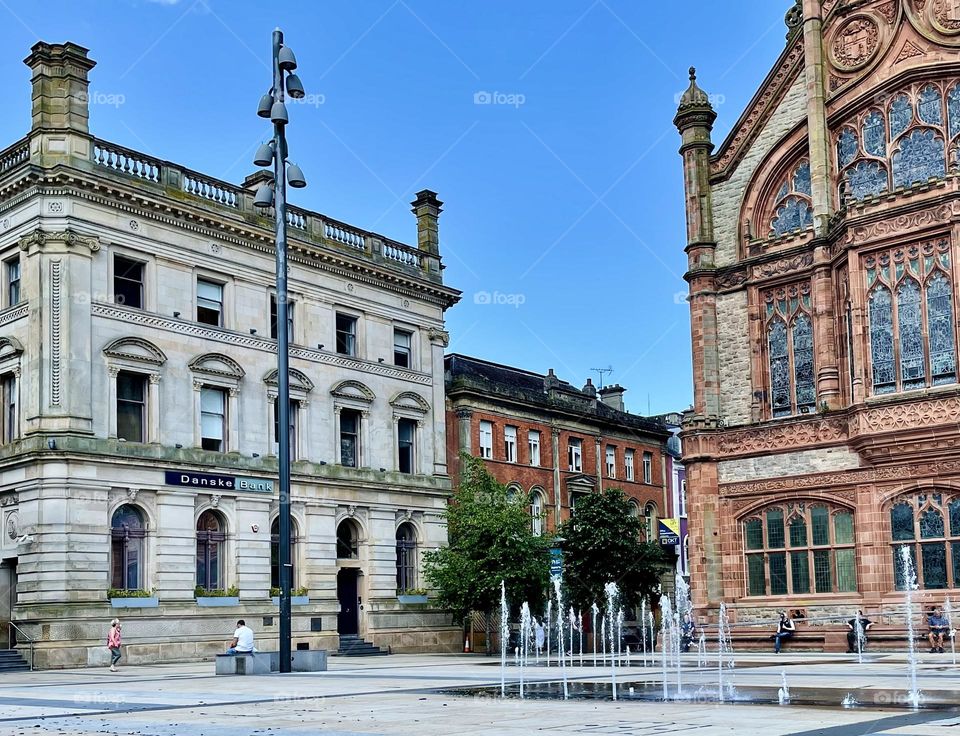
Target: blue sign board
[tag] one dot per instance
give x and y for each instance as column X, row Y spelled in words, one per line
column 217, row 482
column 556, row 562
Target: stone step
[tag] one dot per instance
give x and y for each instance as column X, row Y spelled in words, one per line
column 353, row 646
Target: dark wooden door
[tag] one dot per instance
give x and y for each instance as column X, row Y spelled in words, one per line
column 347, row 620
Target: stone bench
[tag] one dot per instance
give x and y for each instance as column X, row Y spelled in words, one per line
column 263, row 663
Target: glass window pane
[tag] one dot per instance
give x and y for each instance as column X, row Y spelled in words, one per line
column 955, row 553
column 843, row 528
column 778, row 573
column 821, row 571
column 757, row 583
column 753, row 531
column 800, row 572
column 881, row 341
column 875, row 135
column 934, row 565
column 779, row 369
column 211, row 426
column 820, row 516
column 955, row 518
column 930, row 106
column 867, row 179
column 798, row 532
column 901, row 115
column 921, row 156
column 847, row 147
column 210, row 291
column 901, row 522
column 912, row 359
column 846, row 570
column 943, row 361
column 212, row 400
column 931, row 524
column 775, row 532
column 803, row 361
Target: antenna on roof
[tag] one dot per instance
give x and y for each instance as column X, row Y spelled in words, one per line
column 601, row 371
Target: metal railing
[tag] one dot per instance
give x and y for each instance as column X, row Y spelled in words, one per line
column 26, row 636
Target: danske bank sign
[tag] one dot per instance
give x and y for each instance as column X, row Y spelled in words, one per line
column 222, row 482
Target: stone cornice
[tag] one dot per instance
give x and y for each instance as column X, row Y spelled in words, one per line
column 40, row 239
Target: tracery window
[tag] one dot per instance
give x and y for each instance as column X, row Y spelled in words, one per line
column 790, row 350
column 912, row 343
column 799, row 548
column 910, row 140
column 792, row 209
column 928, row 525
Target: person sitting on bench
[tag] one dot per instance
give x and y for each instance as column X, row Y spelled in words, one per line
column 939, row 628
column 857, row 636
column 688, row 630
column 785, row 629
column 242, row 640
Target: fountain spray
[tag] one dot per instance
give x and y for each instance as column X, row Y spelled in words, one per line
column 594, row 610
column 504, row 636
column 643, row 629
column 910, row 584
column 612, row 592
column 948, row 611
column 563, row 670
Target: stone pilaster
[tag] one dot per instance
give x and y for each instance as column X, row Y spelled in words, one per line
column 818, row 134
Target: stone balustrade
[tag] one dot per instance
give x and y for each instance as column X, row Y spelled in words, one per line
column 15, row 155
column 212, row 189
column 125, row 161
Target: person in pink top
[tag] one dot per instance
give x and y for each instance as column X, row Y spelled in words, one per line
column 113, row 643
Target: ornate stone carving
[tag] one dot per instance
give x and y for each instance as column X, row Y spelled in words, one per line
column 215, row 500
column 946, row 14
column 132, row 493
column 795, row 435
column 907, row 416
column 784, row 265
column 837, row 82
column 903, row 223
column 855, row 43
column 40, row 238
column 909, row 50
column 732, row 279
column 56, row 315
column 13, row 525
column 438, row 336
column 888, row 11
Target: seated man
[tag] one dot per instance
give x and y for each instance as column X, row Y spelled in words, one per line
column 857, row 635
column 242, row 640
column 688, row 630
column 785, row 629
column 939, row 628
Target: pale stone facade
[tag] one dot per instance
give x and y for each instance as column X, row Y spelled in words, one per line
column 76, row 212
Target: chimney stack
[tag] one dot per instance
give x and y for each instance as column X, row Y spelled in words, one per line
column 60, row 86
column 612, row 396
column 589, row 389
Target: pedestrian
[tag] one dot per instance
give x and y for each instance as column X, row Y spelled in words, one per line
column 939, row 628
column 113, row 643
column 785, row 629
column 242, row 640
column 688, row 630
column 857, row 638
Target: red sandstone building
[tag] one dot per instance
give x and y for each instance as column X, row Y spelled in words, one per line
column 543, row 437
column 823, row 238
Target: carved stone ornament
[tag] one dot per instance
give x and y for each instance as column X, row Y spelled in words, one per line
column 132, row 493
column 215, row 500
column 351, row 511
column 888, row 10
column 40, row 238
column 795, row 435
column 855, row 43
column 732, row 279
column 946, row 15
column 441, row 337
column 784, row 265
column 13, row 525
column 903, row 223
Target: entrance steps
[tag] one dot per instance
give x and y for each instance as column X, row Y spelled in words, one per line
column 12, row 661
column 352, row 645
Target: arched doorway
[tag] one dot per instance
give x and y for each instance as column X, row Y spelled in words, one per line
column 348, row 578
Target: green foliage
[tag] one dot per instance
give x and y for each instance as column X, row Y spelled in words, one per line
column 201, row 592
column 602, row 544
column 491, row 539
column 412, row 591
column 124, row 593
column 298, row 592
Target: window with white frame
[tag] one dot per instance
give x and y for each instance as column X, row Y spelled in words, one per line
column 131, row 406
column 683, row 497
column 486, row 439
column 213, row 418
column 575, row 455
column 611, row 461
column 209, row 302
column 12, row 268
column 128, row 278
column 403, row 348
column 536, row 512
column 406, row 445
column 510, row 444
column 533, row 446
column 346, row 334
column 648, row 467
column 628, row 464
column 350, row 437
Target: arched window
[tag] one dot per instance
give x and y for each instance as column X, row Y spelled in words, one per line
column 348, row 540
column 211, row 538
column 650, row 522
column 536, row 512
column 126, row 548
column 406, row 557
column 790, row 350
column 928, row 525
column 275, row 553
column 799, row 549
column 792, row 208
column 912, row 343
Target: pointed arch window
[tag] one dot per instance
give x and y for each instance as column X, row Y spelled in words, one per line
column 790, row 351
column 912, row 341
column 928, row 525
column 792, row 209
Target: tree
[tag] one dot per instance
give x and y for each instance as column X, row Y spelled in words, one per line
column 491, row 539
column 601, row 545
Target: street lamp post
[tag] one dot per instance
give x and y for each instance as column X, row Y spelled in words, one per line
column 272, row 106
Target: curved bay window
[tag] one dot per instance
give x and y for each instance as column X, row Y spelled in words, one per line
column 792, row 208
column 912, row 343
column 406, row 557
column 126, row 548
column 790, row 350
column 348, row 541
column 799, row 548
column 275, row 554
column 929, row 526
column 211, row 539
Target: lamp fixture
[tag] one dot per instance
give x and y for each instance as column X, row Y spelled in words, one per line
column 295, row 176
column 176, row 314
column 319, row 346
column 295, row 87
column 266, row 102
column 264, row 155
column 264, row 198
column 253, row 330
column 286, row 59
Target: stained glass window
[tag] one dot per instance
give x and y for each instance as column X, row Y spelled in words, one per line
column 899, row 570
column 901, row 115
column 756, row 572
column 930, row 105
column 875, row 135
column 775, row 536
column 920, row 157
column 798, row 532
column 934, row 558
column 931, row 524
column 867, row 179
column 943, row 362
column 803, row 361
column 821, row 525
column 937, row 550
column 779, row 369
column 910, row 319
column 955, row 518
column 778, row 573
column 843, row 527
column 801, row 179
column 793, row 214
column 881, row 341
column 846, row 571
column 901, row 522
column 790, row 350
column 821, row 571
column 800, row 572
column 847, row 147
column 953, row 109
column 753, row 530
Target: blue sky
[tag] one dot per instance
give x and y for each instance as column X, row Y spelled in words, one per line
column 545, row 127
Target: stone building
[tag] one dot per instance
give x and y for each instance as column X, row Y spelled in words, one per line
column 138, row 373
column 542, row 437
column 823, row 235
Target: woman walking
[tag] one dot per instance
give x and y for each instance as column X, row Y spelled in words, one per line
column 113, row 643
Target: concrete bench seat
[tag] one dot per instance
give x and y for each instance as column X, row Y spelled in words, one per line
column 263, row 663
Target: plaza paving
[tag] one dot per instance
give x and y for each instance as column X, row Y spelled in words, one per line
column 408, row 694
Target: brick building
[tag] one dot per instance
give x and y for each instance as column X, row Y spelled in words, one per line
column 546, row 438
column 822, row 238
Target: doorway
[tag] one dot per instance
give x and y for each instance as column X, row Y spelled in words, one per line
column 348, row 620
column 8, row 599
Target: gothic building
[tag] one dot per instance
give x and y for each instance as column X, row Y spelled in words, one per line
column 138, row 384
column 823, row 237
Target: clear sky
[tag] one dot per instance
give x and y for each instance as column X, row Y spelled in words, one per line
column 544, row 125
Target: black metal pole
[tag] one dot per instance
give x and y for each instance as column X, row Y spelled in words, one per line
column 283, row 359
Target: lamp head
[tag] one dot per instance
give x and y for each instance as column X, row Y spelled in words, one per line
column 278, row 114
column 295, row 87
column 286, row 59
column 264, row 156
column 295, row 176
column 264, row 198
column 266, row 102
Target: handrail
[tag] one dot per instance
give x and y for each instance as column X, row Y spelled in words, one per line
column 27, row 637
